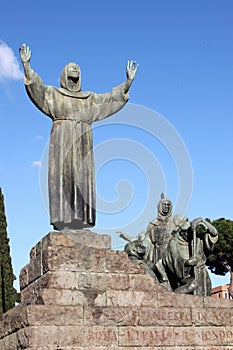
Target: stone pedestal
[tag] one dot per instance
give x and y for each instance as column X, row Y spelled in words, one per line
column 78, row 294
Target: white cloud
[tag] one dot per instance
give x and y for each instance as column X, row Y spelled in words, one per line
column 9, row 65
column 38, row 137
column 37, row 163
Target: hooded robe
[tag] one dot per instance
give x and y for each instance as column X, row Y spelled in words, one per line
column 71, row 177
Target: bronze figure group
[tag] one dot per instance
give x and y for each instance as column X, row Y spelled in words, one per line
column 174, row 250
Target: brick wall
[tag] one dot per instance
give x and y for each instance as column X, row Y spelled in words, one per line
column 78, row 294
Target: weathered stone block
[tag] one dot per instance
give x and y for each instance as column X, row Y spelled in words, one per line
column 117, row 281
column 56, row 239
column 213, row 336
column 30, row 294
column 23, row 277
column 36, row 251
column 72, row 297
column 118, row 262
column 110, row 316
column 101, row 336
column 156, row 336
column 144, row 282
column 74, row 238
column 14, row 320
column 90, row 239
column 2, row 334
column 54, row 337
column 82, row 258
column 59, row 280
column 217, row 303
column 212, row 316
column 35, row 266
column 131, row 298
column 154, row 316
column 96, row 281
column 159, row 348
column 57, row 315
column 179, row 300
column 10, row 342
column 214, row 348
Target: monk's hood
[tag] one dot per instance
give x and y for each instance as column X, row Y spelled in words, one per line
column 74, row 90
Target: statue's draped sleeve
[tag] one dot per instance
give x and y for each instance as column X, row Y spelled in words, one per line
column 205, row 245
column 106, row 104
column 37, row 91
column 210, row 241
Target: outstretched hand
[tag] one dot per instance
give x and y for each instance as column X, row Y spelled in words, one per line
column 131, row 69
column 25, row 53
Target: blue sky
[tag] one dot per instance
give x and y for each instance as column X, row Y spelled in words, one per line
column 180, row 141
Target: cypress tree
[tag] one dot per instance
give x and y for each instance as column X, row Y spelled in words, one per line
column 8, row 294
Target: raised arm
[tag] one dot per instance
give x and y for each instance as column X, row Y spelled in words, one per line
column 125, row 236
column 131, row 70
column 33, row 83
column 25, row 55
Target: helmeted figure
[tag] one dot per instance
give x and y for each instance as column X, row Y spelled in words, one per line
column 71, row 177
column 156, row 237
column 160, row 230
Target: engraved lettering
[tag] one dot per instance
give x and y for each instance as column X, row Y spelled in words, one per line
column 229, row 334
column 105, row 335
column 202, row 316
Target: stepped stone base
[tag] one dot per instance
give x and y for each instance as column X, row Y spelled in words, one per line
column 78, row 294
